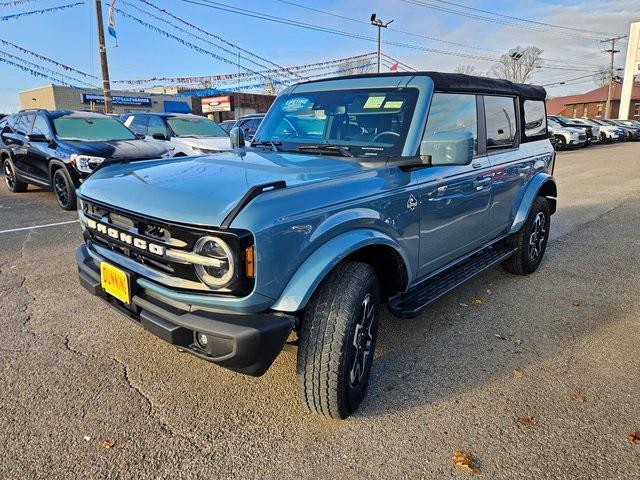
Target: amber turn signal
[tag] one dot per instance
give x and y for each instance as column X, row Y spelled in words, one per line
column 250, row 266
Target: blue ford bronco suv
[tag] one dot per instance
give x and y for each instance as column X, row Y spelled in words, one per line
column 356, row 192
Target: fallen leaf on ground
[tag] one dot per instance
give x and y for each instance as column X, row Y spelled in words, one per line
column 527, row 422
column 634, row 437
column 388, row 388
column 517, row 373
column 499, row 337
column 464, row 461
column 518, row 342
column 576, row 304
column 577, row 396
column 87, row 438
column 477, row 302
column 107, row 443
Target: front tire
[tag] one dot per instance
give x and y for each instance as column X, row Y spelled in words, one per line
column 13, row 184
column 561, row 143
column 337, row 341
column 531, row 241
column 64, row 189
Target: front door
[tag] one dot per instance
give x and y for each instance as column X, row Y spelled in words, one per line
column 455, row 200
column 38, row 148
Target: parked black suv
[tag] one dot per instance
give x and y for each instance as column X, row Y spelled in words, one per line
column 59, row 149
column 566, row 122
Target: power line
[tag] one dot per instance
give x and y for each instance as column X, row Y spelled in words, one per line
column 495, row 20
column 520, row 19
column 220, row 39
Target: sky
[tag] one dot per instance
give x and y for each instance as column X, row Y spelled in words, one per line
column 69, row 36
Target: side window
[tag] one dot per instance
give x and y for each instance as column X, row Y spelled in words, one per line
column 535, row 120
column 453, row 113
column 23, row 123
column 156, row 125
column 41, row 127
column 138, row 124
column 500, row 114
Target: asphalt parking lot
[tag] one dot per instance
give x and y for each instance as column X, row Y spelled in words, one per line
column 86, row 394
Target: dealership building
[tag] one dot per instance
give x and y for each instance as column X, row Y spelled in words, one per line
column 593, row 104
column 57, row 97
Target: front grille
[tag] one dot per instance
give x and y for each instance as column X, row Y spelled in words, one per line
column 582, row 136
column 152, row 232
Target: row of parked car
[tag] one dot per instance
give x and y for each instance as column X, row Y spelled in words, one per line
column 581, row 132
column 59, row 149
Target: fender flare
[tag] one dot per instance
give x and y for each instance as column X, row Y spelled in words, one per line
column 317, row 265
column 539, row 182
column 57, row 163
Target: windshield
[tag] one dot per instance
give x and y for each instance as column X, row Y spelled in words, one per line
column 366, row 122
column 195, row 127
column 91, row 129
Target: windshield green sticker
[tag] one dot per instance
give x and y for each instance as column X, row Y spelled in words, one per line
column 394, row 104
column 374, row 102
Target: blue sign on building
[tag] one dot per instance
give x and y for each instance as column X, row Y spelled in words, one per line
column 117, row 100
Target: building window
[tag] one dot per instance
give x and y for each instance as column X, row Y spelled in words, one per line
column 636, row 110
column 575, row 111
column 599, row 112
column 585, row 111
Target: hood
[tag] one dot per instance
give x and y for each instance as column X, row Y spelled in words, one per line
column 206, row 143
column 115, row 150
column 203, row 190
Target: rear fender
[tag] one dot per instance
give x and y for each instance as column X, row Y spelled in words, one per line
column 541, row 184
column 316, row 267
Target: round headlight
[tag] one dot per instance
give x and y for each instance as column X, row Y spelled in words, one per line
column 220, row 275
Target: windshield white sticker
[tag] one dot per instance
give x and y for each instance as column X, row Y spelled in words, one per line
column 396, row 105
column 295, row 104
column 374, row 102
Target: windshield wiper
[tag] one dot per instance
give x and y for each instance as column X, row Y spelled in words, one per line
column 344, row 151
column 274, row 144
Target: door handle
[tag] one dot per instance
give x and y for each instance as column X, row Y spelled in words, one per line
column 476, row 164
column 481, row 183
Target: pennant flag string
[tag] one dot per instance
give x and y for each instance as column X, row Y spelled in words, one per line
column 205, row 32
column 4, row 18
column 235, row 76
column 46, row 59
column 181, row 40
column 34, row 72
column 36, row 66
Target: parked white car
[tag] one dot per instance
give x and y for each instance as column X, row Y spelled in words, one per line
column 595, row 128
column 186, row 134
column 608, row 133
column 566, row 136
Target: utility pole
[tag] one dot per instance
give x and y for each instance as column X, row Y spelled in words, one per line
column 376, row 22
column 612, row 51
column 104, row 65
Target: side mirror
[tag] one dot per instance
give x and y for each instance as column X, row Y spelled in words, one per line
column 35, row 137
column 159, row 136
column 140, row 136
column 237, row 137
column 447, row 148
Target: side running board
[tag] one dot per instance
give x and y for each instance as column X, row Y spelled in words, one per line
column 250, row 195
column 413, row 302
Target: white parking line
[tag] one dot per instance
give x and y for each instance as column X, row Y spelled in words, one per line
column 21, row 229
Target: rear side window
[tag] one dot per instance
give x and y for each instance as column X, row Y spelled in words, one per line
column 23, row 123
column 535, row 123
column 500, row 114
column 451, row 112
column 138, row 124
column 156, row 125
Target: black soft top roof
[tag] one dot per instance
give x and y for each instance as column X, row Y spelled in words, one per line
column 460, row 83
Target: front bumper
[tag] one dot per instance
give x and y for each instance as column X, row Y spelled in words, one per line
column 246, row 343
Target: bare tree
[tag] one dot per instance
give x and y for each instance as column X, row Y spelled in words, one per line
column 518, row 65
column 466, row 69
column 602, row 77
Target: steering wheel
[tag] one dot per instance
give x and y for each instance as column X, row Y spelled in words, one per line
column 388, row 132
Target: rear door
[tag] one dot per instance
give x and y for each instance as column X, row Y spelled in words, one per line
column 19, row 143
column 511, row 166
column 38, row 151
column 454, row 199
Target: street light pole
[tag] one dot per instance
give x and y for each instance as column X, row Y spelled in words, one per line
column 106, row 84
column 376, row 22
